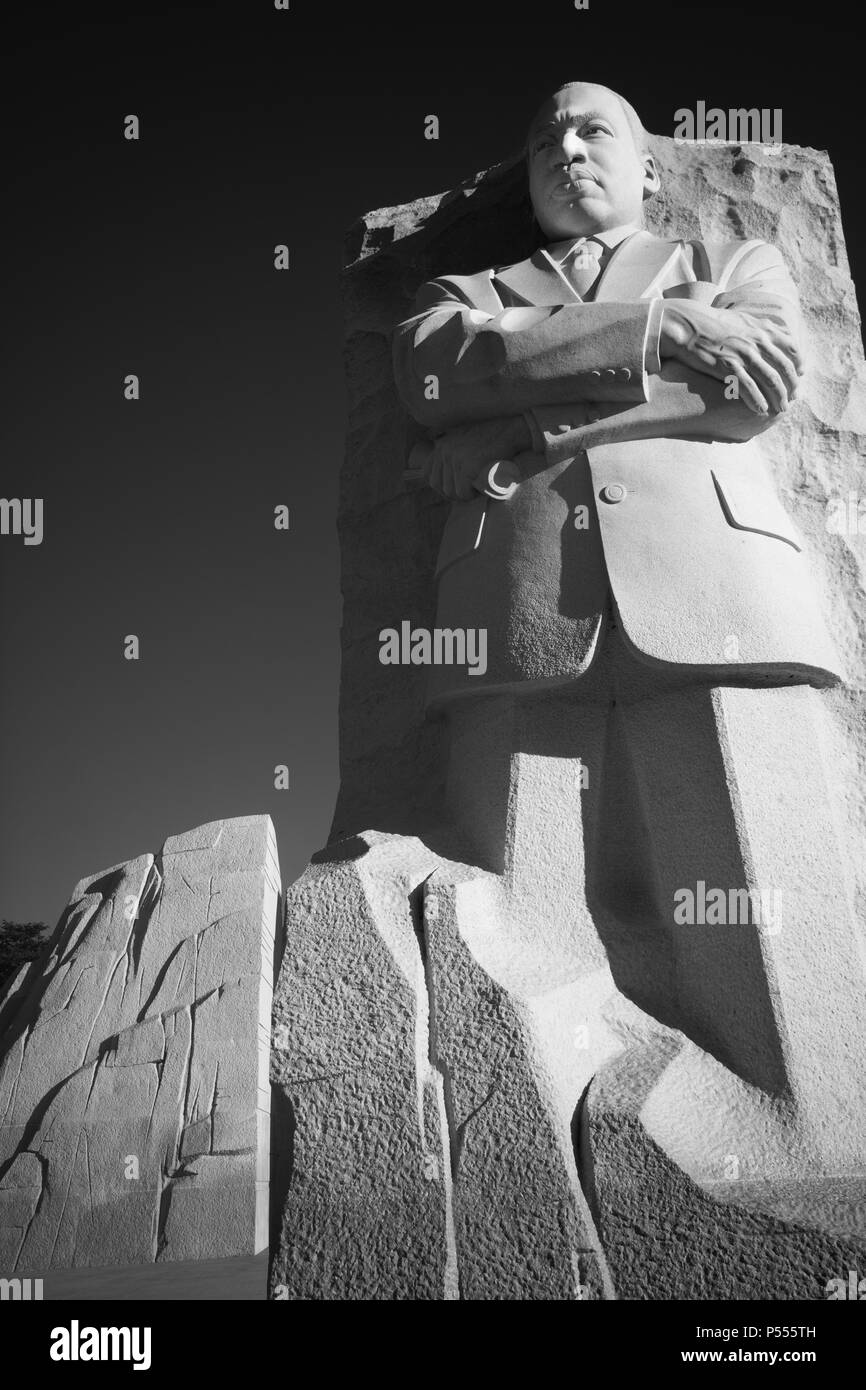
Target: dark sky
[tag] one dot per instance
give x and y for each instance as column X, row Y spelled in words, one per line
column 258, row 126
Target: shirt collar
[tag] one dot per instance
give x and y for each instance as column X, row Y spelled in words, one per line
column 610, row 237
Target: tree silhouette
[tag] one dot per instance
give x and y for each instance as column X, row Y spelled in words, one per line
column 20, row 942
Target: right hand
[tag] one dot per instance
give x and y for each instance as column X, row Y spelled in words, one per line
column 763, row 357
column 453, row 464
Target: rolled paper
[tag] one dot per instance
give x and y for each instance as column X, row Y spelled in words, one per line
column 499, row 480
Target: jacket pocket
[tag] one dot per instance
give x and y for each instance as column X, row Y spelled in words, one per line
column 755, row 509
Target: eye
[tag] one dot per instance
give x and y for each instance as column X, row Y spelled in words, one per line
column 603, row 128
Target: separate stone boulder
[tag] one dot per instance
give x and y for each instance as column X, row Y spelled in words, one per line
column 134, row 1096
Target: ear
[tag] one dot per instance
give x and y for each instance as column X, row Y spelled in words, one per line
column 651, row 181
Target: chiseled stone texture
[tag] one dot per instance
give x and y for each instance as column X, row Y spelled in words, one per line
column 666, row 1238
column 392, row 768
column 523, row 1228
column 362, row 1184
column 140, row 1040
column 421, row 1152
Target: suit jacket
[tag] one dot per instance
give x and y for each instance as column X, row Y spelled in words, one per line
column 647, row 488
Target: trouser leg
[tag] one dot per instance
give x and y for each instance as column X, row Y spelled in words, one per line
column 734, row 792
column 523, row 788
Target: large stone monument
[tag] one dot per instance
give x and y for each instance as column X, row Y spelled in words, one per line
column 571, row 1005
column 591, row 922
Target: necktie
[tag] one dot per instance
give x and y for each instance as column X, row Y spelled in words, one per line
column 581, row 265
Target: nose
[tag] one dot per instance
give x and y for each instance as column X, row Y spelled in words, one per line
column 571, row 147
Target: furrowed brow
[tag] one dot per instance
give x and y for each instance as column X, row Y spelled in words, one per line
column 583, row 119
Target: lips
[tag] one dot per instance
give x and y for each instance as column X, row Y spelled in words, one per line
column 571, row 184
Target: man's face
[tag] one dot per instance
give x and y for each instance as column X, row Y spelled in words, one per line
column 585, row 173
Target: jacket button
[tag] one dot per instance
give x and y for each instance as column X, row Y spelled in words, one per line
column 613, row 492
column 562, row 429
column 610, row 372
column 624, row 374
column 595, row 372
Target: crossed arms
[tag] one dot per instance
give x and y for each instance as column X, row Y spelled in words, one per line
column 560, row 379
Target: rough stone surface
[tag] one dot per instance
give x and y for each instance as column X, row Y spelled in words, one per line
column 523, row 1228
column 422, row 1147
column 363, row 1184
column 134, row 1096
column 665, row 1238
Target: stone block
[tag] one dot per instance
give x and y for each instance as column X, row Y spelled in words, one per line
column 131, row 1060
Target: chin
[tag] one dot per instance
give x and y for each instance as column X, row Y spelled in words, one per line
column 580, row 226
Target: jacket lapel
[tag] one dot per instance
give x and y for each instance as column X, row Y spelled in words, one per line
column 643, row 267
column 534, row 281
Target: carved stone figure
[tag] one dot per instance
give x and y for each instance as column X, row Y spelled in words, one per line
column 571, row 1005
column 636, row 779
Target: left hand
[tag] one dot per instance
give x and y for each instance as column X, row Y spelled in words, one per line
column 763, row 358
column 458, row 456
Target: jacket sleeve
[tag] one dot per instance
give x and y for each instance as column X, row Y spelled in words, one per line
column 758, row 283
column 682, row 403
column 455, row 364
